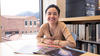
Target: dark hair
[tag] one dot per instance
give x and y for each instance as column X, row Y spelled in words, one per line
column 53, row 6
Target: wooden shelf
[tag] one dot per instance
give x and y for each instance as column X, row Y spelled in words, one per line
column 81, row 20
column 92, row 42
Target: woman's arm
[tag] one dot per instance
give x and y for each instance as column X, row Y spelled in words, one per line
column 70, row 42
column 40, row 36
column 69, row 38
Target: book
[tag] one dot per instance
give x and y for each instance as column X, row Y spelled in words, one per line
column 81, row 31
column 94, row 48
column 97, row 32
column 84, row 46
column 52, row 51
column 89, row 47
column 87, row 32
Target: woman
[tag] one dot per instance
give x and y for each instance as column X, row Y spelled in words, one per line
column 55, row 32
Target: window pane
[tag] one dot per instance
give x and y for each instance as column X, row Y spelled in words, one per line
column 25, row 23
column 34, row 22
column 19, row 14
column 30, row 23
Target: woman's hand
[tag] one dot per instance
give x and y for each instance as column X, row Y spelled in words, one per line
column 63, row 43
column 48, row 41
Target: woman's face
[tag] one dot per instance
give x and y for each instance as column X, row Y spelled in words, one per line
column 52, row 15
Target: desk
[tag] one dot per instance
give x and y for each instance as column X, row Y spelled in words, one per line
column 8, row 48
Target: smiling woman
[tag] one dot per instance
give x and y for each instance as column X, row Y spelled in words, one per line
column 55, row 32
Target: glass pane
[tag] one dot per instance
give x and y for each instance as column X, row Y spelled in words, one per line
column 25, row 23
column 17, row 17
column 30, row 23
column 34, row 22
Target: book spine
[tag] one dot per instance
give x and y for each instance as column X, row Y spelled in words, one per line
column 97, row 32
column 82, row 32
column 94, row 48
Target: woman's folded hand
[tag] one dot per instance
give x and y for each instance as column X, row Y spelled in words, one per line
column 48, row 41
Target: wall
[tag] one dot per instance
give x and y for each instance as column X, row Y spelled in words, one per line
column 62, row 6
column 0, row 27
column 99, row 4
column 0, row 22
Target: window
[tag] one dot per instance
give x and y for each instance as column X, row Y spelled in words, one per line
column 22, row 10
column 30, row 31
column 25, row 31
column 30, row 23
column 22, row 32
column 25, row 23
column 1, row 27
column 34, row 22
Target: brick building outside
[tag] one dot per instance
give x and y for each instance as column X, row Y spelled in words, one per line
column 19, row 25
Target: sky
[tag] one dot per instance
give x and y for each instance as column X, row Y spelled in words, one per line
column 13, row 7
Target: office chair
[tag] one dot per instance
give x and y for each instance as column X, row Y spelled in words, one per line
column 74, row 36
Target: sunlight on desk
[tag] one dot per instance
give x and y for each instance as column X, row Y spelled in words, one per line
column 10, row 47
column 5, row 50
column 28, row 55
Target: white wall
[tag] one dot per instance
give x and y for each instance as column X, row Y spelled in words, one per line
column 0, row 27
column 0, row 21
column 62, row 5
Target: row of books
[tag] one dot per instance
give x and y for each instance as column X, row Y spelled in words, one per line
column 90, row 32
column 89, row 47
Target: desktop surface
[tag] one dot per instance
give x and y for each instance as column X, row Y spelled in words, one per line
column 9, row 48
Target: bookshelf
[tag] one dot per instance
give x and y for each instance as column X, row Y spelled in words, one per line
column 87, row 31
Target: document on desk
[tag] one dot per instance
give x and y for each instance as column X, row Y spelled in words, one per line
column 43, row 50
column 31, row 49
column 27, row 49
